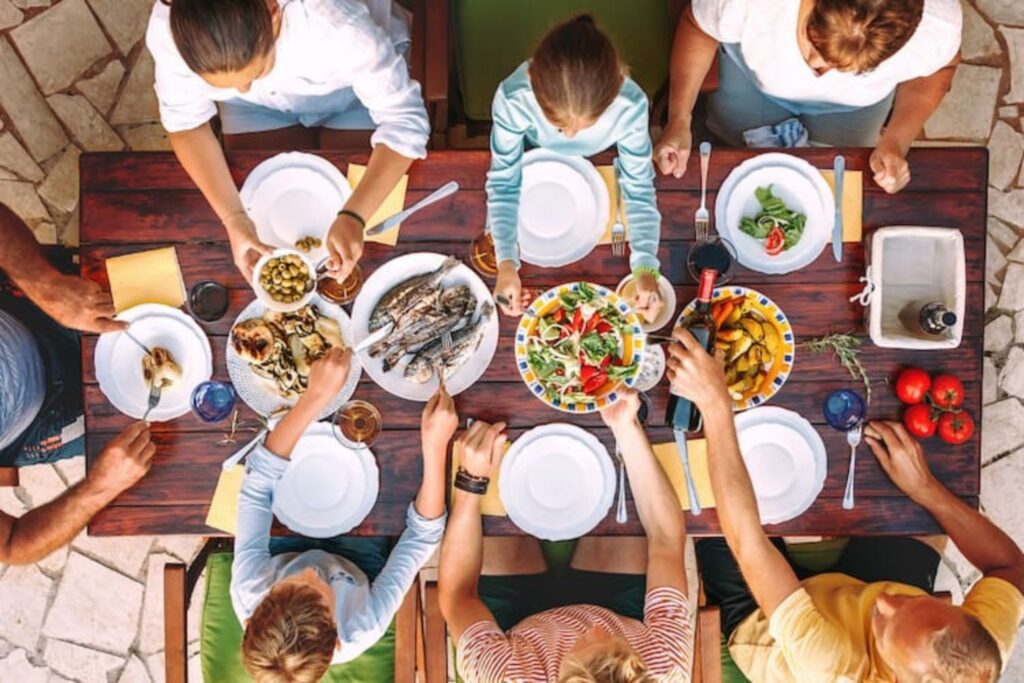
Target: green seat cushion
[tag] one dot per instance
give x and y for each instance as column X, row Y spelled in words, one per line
column 221, row 638
column 817, row 556
column 730, row 672
column 493, row 37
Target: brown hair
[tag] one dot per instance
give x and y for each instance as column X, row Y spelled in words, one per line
column 616, row 662
column 576, row 71
column 966, row 652
column 290, row 637
column 858, row 35
column 219, row 36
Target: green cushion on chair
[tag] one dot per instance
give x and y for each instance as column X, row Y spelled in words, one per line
column 730, row 672
column 492, row 38
column 221, row 639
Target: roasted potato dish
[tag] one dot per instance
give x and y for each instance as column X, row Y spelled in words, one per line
column 750, row 343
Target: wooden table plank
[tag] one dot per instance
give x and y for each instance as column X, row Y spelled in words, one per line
column 131, row 201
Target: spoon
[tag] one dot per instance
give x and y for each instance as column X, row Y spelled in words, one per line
column 853, row 438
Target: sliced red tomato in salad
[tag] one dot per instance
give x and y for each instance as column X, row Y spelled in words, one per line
column 774, row 243
column 559, row 315
column 594, row 321
column 596, row 381
column 577, row 321
column 604, row 328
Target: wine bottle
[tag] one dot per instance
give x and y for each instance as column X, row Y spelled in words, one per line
column 927, row 317
column 682, row 413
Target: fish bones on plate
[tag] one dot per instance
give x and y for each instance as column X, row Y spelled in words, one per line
column 403, row 296
column 280, row 346
column 439, row 312
column 464, row 343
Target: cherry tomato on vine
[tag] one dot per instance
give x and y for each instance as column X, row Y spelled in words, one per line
column 956, row 428
column 947, row 392
column 918, row 420
column 912, row 385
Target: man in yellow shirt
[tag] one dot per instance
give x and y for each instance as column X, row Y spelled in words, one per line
column 834, row 627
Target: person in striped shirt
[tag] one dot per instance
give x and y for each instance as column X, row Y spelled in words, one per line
column 621, row 614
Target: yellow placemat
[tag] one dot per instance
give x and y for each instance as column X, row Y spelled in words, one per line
column 223, row 512
column 491, row 503
column 146, row 277
column 697, row 450
column 608, row 176
column 853, row 203
column 393, row 203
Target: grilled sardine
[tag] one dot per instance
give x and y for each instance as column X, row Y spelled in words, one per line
column 407, row 293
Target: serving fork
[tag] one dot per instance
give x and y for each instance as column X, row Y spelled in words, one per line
column 702, row 218
column 618, row 229
column 155, row 390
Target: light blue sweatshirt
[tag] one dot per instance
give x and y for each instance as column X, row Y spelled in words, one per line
column 518, row 119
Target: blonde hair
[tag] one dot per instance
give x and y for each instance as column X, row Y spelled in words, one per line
column 966, row 653
column 290, row 637
column 615, row 662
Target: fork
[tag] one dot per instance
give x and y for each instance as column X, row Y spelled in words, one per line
column 618, row 229
column 853, row 438
column 702, row 218
column 154, row 399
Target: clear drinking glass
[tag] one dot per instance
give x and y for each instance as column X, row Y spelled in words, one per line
column 341, row 293
column 712, row 252
column 213, row 401
column 208, row 301
column 481, row 254
column 357, row 424
column 843, row 410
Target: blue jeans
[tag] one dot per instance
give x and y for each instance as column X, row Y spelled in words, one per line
column 367, row 553
column 738, row 105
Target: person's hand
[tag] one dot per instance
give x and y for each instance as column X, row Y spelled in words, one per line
column 510, row 288
column 125, row 459
column 439, row 422
column 889, row 164
column 327, row 375
column 482, row 447
column 246, row 248
column 647, row 301
column 78, row 304
column 673, row 149
column 901, row 456
column 345, row 246
column 693, row 372
column 622, row 414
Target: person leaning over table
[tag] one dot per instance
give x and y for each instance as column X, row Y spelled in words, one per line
column 839, row 66
column 882, row 625
column 573, row 97
column 41, row 393
column 281, row 65
column 307, row 604
column 620, row 615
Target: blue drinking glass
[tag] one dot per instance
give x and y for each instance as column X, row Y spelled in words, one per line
column 843, row 409
column 213, row 401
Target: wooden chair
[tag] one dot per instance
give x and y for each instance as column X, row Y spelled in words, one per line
column 180, row 582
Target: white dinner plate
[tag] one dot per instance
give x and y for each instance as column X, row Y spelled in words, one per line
column 327, row 488
column 563, row 208
column 557, row 482
column 118, row 361
column 380, row 283
column 259, row 393
column 295, row 195
column 786, row 459
column 796, row 182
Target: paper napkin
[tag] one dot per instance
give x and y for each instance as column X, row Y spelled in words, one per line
column 491, row 503
column 697, row 450
column 146, row 277
column 608, row 176
column 223, row 512
column 393, row 204
column 853, row 201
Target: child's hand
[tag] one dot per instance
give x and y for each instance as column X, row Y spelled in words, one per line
column 647, row 300
column 328, row 374
column 439, row 422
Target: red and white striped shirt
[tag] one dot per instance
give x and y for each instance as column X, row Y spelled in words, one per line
column 533, row 649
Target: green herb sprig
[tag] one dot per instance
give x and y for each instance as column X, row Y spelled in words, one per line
column 846, row 349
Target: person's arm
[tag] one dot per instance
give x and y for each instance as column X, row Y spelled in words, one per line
column 656, row 502
column 693, row 52
column 984, row 544
column 73, row 302
column 37, row 533
column 915, row 101
column 462, row 547
column 698, row 376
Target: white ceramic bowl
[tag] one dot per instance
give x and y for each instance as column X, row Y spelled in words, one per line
column 266, row 299
column 668, row 296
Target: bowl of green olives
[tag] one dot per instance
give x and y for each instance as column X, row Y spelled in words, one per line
column 284, row 280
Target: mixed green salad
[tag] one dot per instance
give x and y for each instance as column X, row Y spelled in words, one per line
column 577, row 348
column 779, row 226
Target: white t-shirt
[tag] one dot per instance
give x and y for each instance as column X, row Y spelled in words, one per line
column 328, row 53
column 764, row 31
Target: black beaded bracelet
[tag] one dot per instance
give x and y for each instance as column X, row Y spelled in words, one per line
column 353, row 214
column 471, row 483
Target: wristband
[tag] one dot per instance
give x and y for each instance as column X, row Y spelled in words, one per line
column 352, row 214
column 641, row 270
column 471, row 483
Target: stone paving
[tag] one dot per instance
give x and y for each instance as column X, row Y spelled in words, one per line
column 75, row 76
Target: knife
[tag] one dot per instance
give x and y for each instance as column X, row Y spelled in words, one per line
column 374, row 338
column 837, row 230
column 437, row 195
column 691, row 490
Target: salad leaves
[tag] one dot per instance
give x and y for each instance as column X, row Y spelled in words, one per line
column 773, row 221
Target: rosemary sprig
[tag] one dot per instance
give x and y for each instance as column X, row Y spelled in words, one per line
column 236, row 426
column 846, row 349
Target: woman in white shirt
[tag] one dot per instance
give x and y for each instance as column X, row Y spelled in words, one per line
column 838, row 66
column 283, row 66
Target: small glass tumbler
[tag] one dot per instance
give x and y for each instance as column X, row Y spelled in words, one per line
column 213, row 401
column 481, row 254
column 712, row 252
column 357, row 424
column 843, row 410
column 208, row 301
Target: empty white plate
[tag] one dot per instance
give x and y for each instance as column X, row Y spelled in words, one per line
column 118, row 361
column 327, row 488
column 294, row 195
column 786, row 460
column 557, row 482
column 563, row 208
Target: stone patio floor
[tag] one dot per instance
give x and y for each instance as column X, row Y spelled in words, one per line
column 75, row 76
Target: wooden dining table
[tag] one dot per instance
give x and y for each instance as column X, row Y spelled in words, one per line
column 136, row 201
